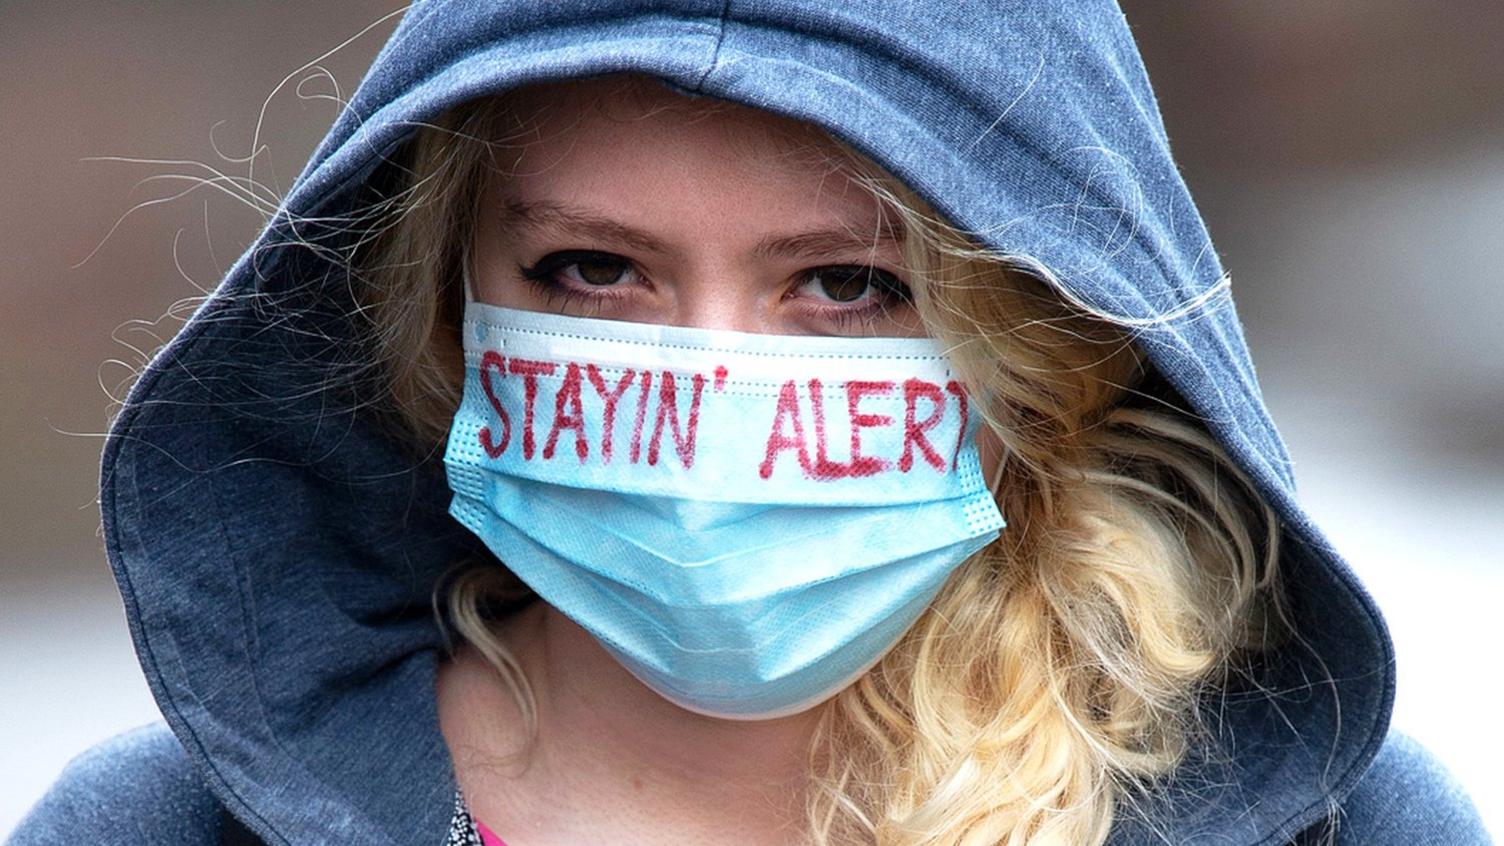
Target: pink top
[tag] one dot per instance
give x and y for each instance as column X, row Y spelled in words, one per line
column 487, row 836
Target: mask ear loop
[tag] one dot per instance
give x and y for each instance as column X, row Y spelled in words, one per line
column 465, row 275
column 997, row 473
column 1002, row 463
column 474, row 330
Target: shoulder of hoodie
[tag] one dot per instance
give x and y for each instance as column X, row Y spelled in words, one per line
column 140, row 787
column 136, row 787
column 1406, row 798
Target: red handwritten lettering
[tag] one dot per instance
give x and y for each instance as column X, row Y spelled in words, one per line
column 824, row 467
column 609, row 399
column 788, row 409
column 668, row 407
column 959, row 393
column 913, row 430
column 493, row 360
column 529, row 371
column 865, row 465
column 642, row 410
column 574, row 418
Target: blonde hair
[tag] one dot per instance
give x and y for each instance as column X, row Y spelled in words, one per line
column 1057, row 674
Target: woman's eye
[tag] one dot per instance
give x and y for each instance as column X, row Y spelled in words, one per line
column 600, row 272
column 580, row 267
column 853, row 283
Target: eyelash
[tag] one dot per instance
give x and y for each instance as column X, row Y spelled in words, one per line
column 542, row 276
column 887, row 292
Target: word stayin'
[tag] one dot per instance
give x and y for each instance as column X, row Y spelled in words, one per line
column 569, row 413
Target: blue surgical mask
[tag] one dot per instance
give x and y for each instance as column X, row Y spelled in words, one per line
column 746, row 522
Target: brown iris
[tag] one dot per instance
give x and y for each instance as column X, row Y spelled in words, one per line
column 844, row 284
column 600, row 272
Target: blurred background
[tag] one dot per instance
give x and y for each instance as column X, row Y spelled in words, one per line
column 1348, row 156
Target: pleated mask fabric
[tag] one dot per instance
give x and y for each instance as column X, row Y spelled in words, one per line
column 746, row 522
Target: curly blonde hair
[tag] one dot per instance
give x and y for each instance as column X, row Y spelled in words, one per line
column 1058, row 672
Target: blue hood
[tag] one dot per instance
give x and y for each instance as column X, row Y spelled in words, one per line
column 277, row 551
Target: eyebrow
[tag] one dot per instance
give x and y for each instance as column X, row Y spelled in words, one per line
column 548, row 215
column 543, row 214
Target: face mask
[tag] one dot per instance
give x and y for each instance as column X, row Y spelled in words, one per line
column 746, row 522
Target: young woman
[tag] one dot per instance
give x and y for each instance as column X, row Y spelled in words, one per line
column 768, row 424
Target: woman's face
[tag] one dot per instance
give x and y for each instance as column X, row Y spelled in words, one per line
column 624, row 200
column 627, row 201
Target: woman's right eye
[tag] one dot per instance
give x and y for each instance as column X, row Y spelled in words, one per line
column 581, row 269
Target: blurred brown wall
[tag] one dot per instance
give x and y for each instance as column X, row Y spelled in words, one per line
column 163, row 80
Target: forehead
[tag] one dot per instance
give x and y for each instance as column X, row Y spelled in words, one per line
column 634, row 144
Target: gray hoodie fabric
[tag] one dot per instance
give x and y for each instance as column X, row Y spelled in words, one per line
column 276, row 550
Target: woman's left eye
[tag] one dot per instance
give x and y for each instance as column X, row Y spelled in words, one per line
column 847, row 284
column 581, row 268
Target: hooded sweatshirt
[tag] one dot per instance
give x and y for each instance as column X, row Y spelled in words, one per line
column 276, row 550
